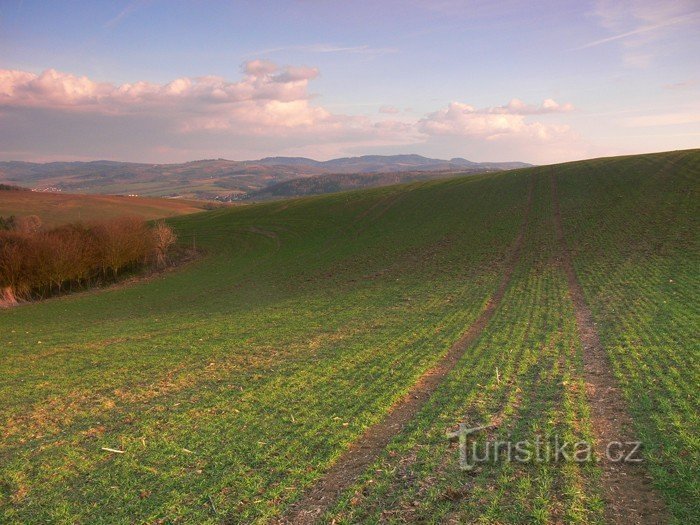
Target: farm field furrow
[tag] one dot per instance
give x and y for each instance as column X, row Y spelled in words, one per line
column 628, row 495
column 369, row 446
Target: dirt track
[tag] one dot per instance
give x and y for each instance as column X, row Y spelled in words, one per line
column 627, row 490
column 367, row 448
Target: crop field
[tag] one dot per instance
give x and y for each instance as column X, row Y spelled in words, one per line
column 59, row 208
column 532, row 342
column 634, row 225
column 225, row 391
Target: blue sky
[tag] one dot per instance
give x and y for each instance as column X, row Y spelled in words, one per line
column 172, row 81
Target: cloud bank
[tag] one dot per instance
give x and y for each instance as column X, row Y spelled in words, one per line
column 268, row 111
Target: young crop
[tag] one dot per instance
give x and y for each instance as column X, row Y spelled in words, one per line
column 223, row 392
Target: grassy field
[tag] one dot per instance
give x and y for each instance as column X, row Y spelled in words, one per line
column 232, row 385
column 634, row 225
column 532, row 342
column 60, row 208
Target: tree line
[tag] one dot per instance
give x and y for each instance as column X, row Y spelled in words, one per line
column 10, row 187
column 36, row 263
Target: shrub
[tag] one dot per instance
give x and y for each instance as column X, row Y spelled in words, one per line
column 35, row 263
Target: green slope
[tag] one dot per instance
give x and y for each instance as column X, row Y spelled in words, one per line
column 232, row 384
column 633, row 224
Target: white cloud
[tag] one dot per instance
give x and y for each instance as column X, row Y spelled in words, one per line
column 494, row 123
column 269, row 110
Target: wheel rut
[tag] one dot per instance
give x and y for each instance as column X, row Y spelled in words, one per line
column 627, row 487
column 367, row 448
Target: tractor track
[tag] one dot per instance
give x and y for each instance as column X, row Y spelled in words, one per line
column 367, row 448
column 627, row 487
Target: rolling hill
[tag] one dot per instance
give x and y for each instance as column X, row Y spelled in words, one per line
column 60, row 208
column 217, row 179
column 322, row 184
column 309, row 367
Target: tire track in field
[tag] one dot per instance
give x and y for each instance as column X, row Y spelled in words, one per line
column 365, row 450
column 627, row 489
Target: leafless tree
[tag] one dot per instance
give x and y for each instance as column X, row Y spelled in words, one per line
column 164, row 238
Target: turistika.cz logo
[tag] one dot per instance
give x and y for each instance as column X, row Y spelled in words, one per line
column 474, row 451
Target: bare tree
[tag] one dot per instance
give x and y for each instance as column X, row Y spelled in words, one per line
column 12, row 256
column 164, row 238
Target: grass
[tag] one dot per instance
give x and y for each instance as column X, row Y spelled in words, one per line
column 58, row 208
column 533, row 343
column 232, row 385
column 318, row 324
column 637, row 258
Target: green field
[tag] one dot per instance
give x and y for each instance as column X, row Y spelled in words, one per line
column 232, row 385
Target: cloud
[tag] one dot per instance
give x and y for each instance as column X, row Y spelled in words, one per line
column 264, row 81
column 330, row 48
column 518, row 107
column 131, row 7
column 269, row 110
column 638, row 24
column 664, row 119
column 686, row 84
column 495, row 123
column 634, row 32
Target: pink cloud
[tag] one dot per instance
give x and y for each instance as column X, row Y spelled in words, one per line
column 518, row 107
column 53, row 89
column 269, row 109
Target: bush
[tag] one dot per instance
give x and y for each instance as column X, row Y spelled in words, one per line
column 26, row 224
column 35, row 263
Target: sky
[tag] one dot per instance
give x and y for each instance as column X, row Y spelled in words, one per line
column 174, row 81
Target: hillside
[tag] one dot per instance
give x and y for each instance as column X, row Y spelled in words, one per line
column 322, row 184
column 60, row 208
column 216, row 179
column 548, row 301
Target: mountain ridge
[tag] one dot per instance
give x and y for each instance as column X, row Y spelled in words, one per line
column 223, row 179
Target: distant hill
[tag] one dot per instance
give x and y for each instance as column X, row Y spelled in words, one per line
column 223, row 179
column 389, row 164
